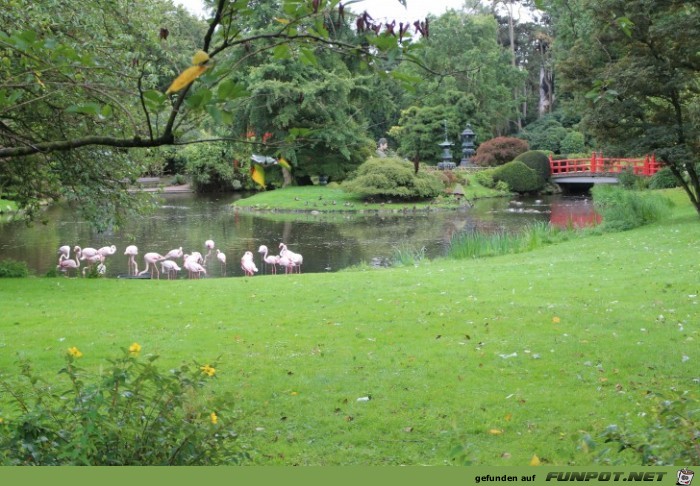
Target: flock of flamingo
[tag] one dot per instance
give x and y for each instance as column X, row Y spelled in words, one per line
column 195, row 263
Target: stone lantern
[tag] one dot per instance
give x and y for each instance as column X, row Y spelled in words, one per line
column 467, row 146
column 446, row 153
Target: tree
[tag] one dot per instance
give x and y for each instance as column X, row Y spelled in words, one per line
column 80, row 79
column 635, row 68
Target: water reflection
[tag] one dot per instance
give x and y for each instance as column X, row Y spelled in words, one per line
column 328, row 242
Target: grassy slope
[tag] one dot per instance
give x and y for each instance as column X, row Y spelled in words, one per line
column 429, row 344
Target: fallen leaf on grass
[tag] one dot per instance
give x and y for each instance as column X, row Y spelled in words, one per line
column 535, row 461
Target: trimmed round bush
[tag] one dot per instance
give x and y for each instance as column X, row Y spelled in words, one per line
column 519, row 177
column 537, row 161
column 498, row 151
column 392, row 178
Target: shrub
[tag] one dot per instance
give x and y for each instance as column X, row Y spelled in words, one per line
column 485, row 178
column 519, row 177
column 623, row 209
column 573, row 142
column 628, row 179
column 13, row 269
column 547, row 133
column 499, row 151
column 670, row 435
column 663, row 179
column 209, row 169
column 392, row 177
column 129, row 414
column 537, row 161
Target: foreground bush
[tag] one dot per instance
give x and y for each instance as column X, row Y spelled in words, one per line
column 13, row 269
column 670, row 435
column 498, row 151
column 130, row 414
column 519, row 177
column 623, row 209
column 392, row 178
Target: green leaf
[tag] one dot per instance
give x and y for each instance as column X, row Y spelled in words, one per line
column 282, row 52
column 199, row 98
column 85, row 108
column 626, row 25
column 384, row 42
column 230, row 89
column 308, row 57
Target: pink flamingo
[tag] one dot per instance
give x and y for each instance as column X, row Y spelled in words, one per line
column 151, row 259
column 273, row 260
column 194, row 268
column 296, row 258
column 65, row 264
column 209, row 244
column 247, row 264
column 221, row 256
column 170, row 268
column 106, row 251
column 85, row 253
column 132, row 251
column 176, row 253
column 63, row 253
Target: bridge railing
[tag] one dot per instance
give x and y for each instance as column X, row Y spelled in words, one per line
column 597, row 164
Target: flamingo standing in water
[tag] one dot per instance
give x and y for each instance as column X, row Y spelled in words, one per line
column 209, row 244
column 170, row 268
column 193, row 267
column 151, row 259
column 273, row 260
column 132, row 251
column 65, row 264
column 295, row 258
column 221, row 256
column 106, row 251
column 63, row 253
column 176, row 253
column 247, row 264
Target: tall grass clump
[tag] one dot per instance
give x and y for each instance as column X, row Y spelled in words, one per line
column 130, row 414
column 407, row 255
column 623, row 209
column 475, row 244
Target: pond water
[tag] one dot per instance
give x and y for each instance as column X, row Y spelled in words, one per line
column 328, row 242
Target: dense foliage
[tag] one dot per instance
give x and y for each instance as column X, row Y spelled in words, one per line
column 632, row 71
column 519, row 177
column 386, row 178
column 537, row 161
column 624, row 209
column 131, row 414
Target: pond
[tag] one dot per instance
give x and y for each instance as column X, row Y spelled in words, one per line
column 328, row 242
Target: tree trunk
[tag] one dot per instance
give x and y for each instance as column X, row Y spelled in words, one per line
column 546, row 91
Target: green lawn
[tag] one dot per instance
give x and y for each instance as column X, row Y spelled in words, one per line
column 494, row 360
column 334, row 199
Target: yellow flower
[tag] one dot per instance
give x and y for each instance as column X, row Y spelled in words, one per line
column 208, row 370
column 214, row 419
column 135, row 348
column 556, row 320
column 75, row 352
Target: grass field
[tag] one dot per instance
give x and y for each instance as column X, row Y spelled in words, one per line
column 487, row 362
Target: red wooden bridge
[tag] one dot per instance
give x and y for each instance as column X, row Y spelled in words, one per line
column 599, row 169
